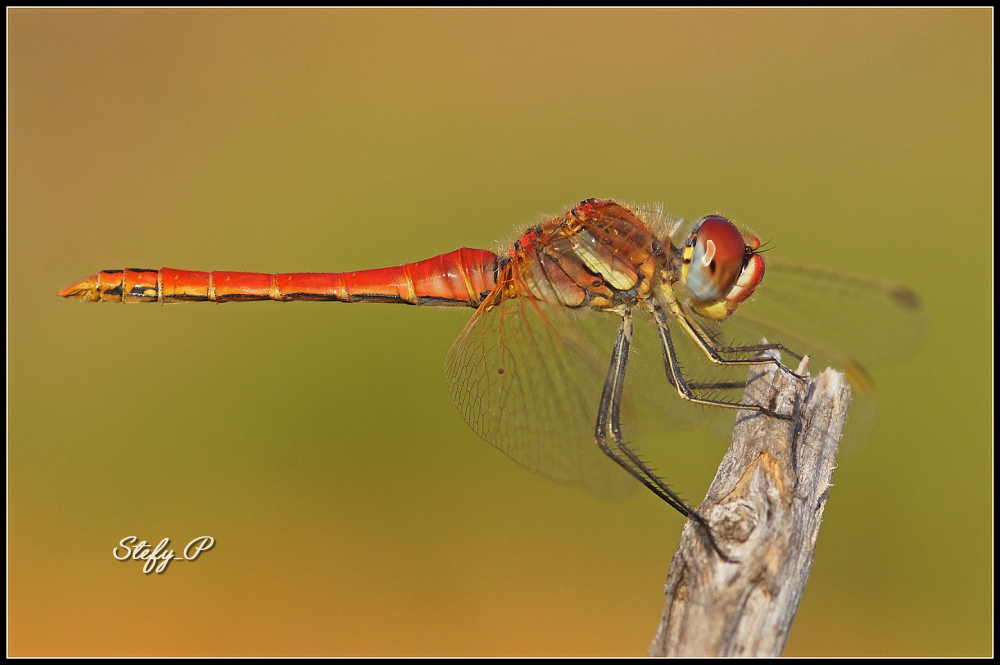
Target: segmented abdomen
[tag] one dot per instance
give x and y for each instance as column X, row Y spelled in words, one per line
column 459, row 278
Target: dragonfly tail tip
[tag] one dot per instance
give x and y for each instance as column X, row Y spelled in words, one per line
column 85, row 290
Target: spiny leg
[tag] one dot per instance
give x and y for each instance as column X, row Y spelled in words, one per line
column 713, row 350
column 609, row 421
column 684, row 389
column 710, row 341
column 715, row 385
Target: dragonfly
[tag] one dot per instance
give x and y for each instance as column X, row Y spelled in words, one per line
column 530, row 372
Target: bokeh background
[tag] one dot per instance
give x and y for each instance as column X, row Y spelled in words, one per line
column 354, row 511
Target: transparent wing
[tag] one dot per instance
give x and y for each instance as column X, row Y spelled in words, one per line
column 527, row 377
column 849, row 322
column 847, row 318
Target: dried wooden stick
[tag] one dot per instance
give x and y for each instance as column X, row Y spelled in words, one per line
column 765, row 507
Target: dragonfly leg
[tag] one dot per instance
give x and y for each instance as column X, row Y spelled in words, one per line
column 686, row 390
column 609, row 427
column 714, row 351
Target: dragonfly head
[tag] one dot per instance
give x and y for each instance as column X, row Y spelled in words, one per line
column 721, row 267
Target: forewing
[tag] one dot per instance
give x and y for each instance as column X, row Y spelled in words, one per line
column 849, row 322
column 527, row 377
column 847, row 318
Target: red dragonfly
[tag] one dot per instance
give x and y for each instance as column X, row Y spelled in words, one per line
column 527, row 372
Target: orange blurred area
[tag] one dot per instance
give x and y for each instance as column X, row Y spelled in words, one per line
column 354, row 512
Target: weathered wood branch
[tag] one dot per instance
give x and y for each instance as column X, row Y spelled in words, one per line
column 765, row 507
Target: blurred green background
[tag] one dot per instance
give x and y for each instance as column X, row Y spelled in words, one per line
column 355, row 513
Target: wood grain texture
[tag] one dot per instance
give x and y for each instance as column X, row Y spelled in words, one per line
column 765, row 507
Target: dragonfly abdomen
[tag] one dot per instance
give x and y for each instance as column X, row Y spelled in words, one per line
column 459, row 278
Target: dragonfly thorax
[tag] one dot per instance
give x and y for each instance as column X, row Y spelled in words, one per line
column 598, row 255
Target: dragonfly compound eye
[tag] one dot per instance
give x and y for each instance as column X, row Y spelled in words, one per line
column 717, row 259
